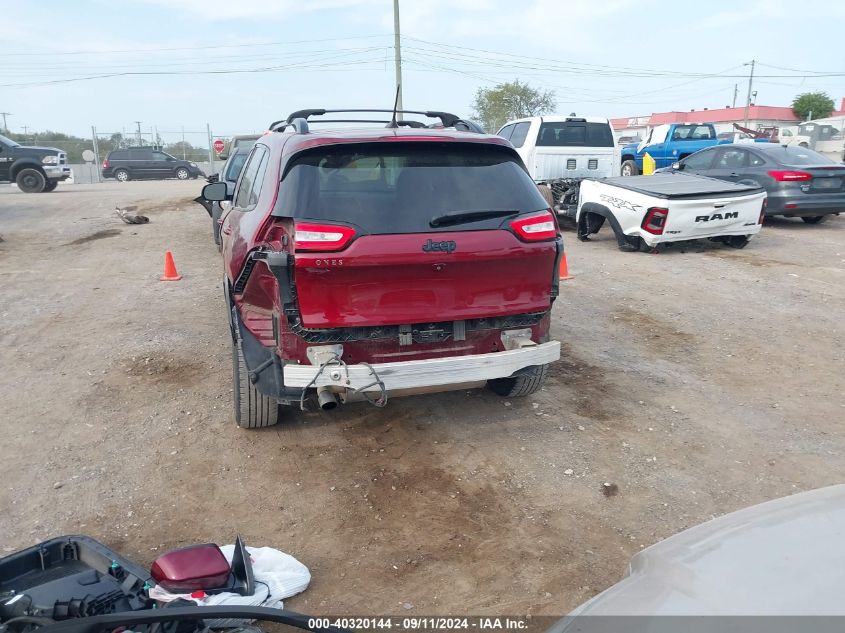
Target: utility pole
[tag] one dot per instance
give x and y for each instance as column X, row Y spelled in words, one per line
column 138, row 123
column 183, row 142
column 748, row 97
column 397, row 50
column 210, row 149
column 736, row 92
column 5, row 114
column 25, row 129
column 96, row 153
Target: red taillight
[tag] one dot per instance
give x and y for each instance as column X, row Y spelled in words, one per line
column 105, row 163
column 790, row 176
column 655, row 220
column 536, row 227
column 762, row 212
column 310, row 236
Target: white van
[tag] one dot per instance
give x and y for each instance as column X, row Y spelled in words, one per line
column 560, row 151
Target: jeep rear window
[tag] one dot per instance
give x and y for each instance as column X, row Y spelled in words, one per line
column 399, row 187
column 574, row 134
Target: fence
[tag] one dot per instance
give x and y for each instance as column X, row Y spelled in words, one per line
column 85, row 154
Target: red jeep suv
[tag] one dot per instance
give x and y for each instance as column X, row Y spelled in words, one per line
column 364, row 261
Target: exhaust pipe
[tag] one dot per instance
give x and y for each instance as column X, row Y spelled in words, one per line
column 326, row 399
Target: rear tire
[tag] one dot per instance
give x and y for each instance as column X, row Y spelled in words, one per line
column 31, row 180
column 629, row 168
column 524, row 383
column 738, row 241
column 253, row 410
column 547, row 194
column 814, row 219
column 121, row 175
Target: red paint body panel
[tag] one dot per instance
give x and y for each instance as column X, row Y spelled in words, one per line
column 390, row 280
column 191, row 568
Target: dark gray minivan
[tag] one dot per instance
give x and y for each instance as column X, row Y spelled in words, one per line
column 138, row 163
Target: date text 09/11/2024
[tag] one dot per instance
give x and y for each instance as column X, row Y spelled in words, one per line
column 420, row 623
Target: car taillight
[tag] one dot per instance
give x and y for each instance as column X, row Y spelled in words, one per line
column 762, row 212
column 105, row 163
column 536, row 227
column 311, row 236
column 790, row 176
column 655, row 220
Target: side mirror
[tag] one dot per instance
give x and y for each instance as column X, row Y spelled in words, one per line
column 677, row 166
column 216, row 191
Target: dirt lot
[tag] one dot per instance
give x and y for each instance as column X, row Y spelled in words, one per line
column 698, row 382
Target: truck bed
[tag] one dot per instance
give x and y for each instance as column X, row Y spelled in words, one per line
column 674, row 186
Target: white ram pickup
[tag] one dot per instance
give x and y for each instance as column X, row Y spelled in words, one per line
column 647, row 211
column 560, row 151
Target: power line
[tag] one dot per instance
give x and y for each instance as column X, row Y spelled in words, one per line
column 192, row 72
column 192, row 48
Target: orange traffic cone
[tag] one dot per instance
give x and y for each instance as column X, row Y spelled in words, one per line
column 170, row 273
column 563, row 271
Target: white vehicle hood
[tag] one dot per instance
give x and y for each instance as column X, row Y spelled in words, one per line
column 784, row 557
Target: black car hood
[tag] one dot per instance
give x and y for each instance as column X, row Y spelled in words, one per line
column 30, row 150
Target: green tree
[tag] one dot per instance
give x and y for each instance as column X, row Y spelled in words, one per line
column 492, row 107
column 817, row 105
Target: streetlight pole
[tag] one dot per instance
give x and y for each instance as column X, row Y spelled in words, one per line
column 397, row 51
column 748, row 97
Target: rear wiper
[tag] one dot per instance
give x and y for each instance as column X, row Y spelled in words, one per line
column 459, row 217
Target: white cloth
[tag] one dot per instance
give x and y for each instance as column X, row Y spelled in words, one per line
column 277, row 576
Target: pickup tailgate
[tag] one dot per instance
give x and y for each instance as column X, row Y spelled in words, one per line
column 549, row 163
column 707, row 217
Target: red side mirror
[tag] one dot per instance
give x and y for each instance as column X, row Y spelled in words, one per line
column 191, row 568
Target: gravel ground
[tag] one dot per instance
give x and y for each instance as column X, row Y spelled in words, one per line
column 696, row 382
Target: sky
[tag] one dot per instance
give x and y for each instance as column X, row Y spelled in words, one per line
column 237, row 65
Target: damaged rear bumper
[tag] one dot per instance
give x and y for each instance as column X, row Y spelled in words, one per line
column 416, row 374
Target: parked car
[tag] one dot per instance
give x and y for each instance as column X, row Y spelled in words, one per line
column 647, row 211
column 799, row 182
column 138, row 163
column 667, row 144
column 32, row 169
column 367, row 262
column 239, row 148
column 560, row 151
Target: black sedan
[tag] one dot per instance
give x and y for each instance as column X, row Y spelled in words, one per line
column 799, row 182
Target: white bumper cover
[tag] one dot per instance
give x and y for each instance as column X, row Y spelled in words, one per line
column 425, row 373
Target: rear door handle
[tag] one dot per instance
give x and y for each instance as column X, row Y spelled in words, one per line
column 734, row 175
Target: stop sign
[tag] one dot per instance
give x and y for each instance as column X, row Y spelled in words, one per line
column 219, row 146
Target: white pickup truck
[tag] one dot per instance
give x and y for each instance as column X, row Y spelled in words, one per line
column 647, row 211
column 561, row 151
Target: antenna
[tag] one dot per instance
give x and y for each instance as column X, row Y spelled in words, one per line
column 393, row 122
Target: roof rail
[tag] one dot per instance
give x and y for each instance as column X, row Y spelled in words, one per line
column 299, row 120
column 299, row 125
